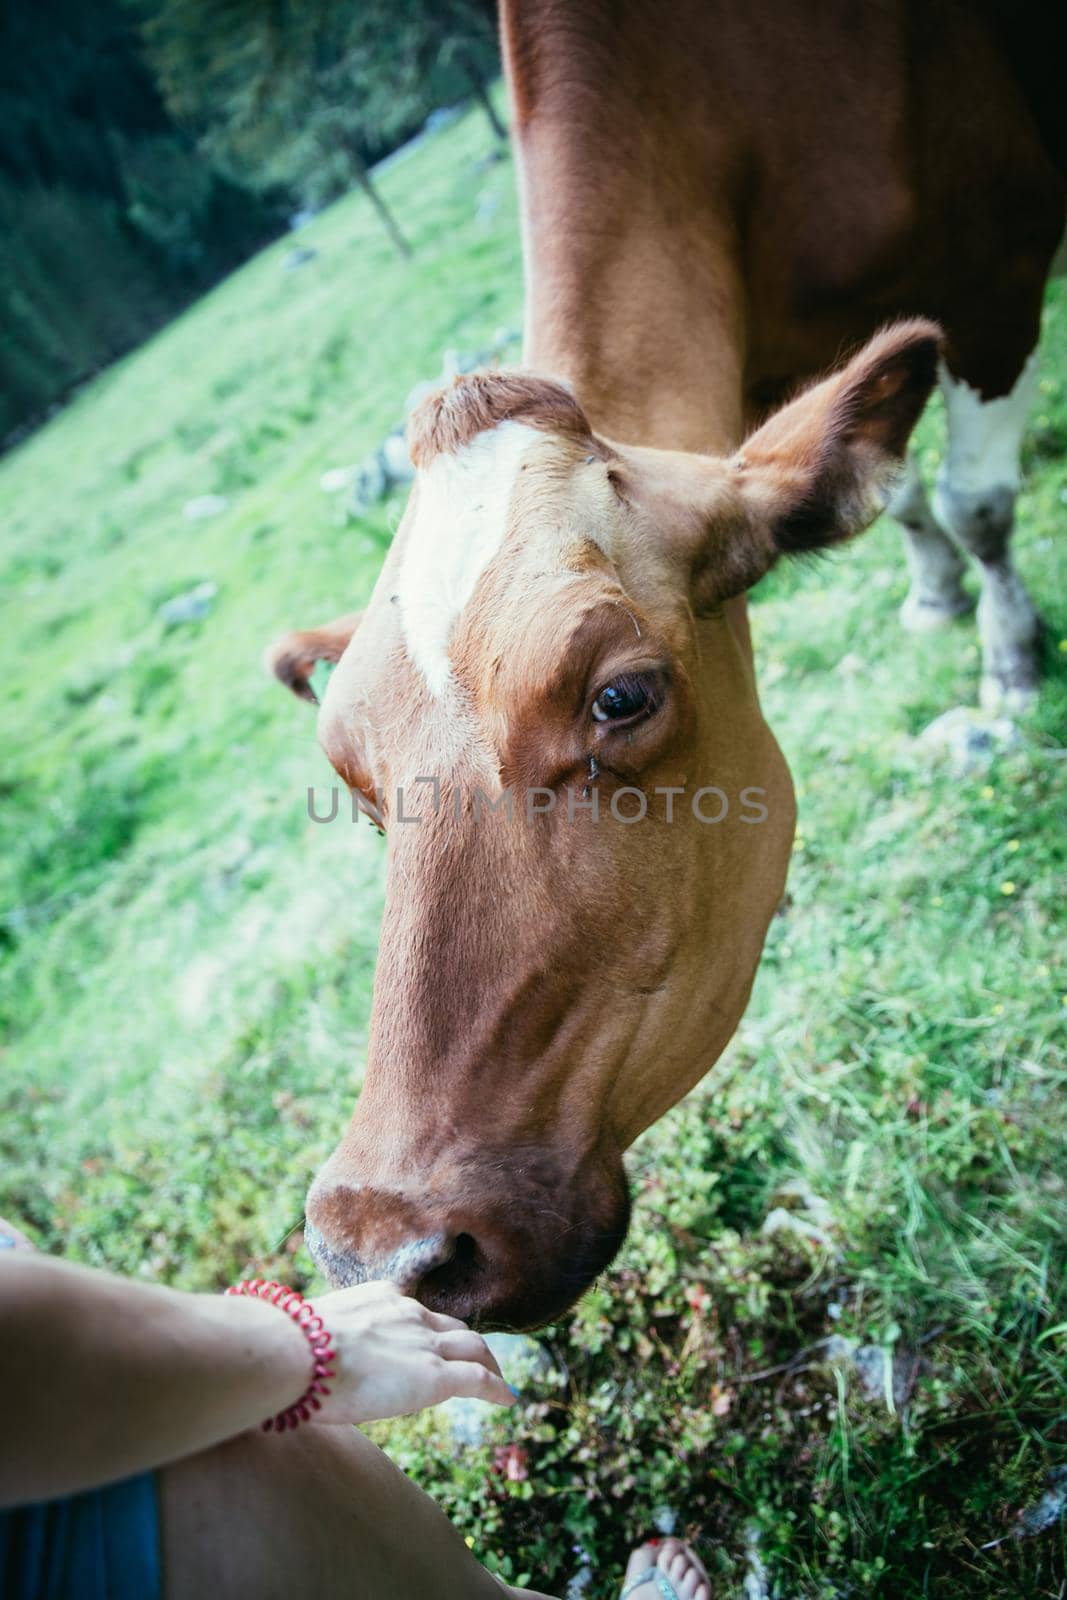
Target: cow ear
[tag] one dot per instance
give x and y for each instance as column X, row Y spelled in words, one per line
column 292, row 658
column 821, row 469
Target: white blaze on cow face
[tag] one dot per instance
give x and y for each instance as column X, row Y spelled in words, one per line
column 984, row 435
column 459, row 520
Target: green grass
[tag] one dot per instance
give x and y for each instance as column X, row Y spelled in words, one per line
column 186, row 961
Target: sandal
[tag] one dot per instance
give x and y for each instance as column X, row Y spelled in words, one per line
column 656, row 1576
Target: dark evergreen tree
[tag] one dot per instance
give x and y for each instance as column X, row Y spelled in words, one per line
column 110, row 218
column 148, row 146
column 305, row 94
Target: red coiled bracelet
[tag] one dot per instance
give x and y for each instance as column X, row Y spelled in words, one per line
column 318, row 1337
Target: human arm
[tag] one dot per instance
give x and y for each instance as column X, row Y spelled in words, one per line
column 102, row 1377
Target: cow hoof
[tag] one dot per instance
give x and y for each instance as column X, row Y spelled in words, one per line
column 1010, row 677
column 1006, row 698
column 924, row 613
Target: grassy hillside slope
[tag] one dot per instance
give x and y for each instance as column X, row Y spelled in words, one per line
column 186, row 960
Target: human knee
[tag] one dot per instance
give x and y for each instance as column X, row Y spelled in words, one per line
column 270, row 1515
column 267, row 1469
column 332, row 1455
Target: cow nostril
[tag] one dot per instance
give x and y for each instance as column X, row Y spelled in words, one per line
column 465, row 1253
column 456, row 1272
column 461, row 1260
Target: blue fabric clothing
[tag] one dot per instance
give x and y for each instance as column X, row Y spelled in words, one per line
column 100, row 1545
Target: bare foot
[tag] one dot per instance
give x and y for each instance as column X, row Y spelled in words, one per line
column 673, row 1560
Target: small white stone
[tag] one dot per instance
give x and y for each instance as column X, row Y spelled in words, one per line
column 969, row 739
column 192, row 606
column 395, row 458
column 203, row 506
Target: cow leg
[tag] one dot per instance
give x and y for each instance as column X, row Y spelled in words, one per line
column 975, row 500
column 936, row 595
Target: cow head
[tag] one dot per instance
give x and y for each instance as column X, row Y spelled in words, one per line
column 550, row 705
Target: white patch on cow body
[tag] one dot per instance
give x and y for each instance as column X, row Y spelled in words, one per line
column 460, row 518
column 984, row 435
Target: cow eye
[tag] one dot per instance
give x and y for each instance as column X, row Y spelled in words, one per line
column 627, row 697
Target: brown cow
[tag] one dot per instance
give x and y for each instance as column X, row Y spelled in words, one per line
column 550, row 701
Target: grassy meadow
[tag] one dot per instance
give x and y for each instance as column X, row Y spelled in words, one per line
column 186, row 963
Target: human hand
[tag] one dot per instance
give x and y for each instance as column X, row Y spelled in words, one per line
column 395, row 1356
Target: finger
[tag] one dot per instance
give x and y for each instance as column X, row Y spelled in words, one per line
column 441, row 1323
column 358, row 1295
column 466, row 1346
column 474, row 1381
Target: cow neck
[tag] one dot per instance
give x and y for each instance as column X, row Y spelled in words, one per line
column 633, row 293
column 643, row 385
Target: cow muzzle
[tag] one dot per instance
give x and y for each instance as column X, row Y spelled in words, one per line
column 507, row 1260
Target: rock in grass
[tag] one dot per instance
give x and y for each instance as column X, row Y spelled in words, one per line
column 389, row 467
column 369, row 484
column 520, row 1359
column 1048, row 1510
column 968, row 739
column 192, row 606
column 395, row 459
column 878, row 1369
column 203, row 506
column 1043, row 1514
column 299, row 257
column 385, row 469
column 757, row 1583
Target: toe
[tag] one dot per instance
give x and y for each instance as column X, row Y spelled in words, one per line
column 672, row 1562
column 684, row 1571
column 691, row 1585
column 678, row 1564
column 642, row 1559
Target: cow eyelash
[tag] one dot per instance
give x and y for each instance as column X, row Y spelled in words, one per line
column 628, row 698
